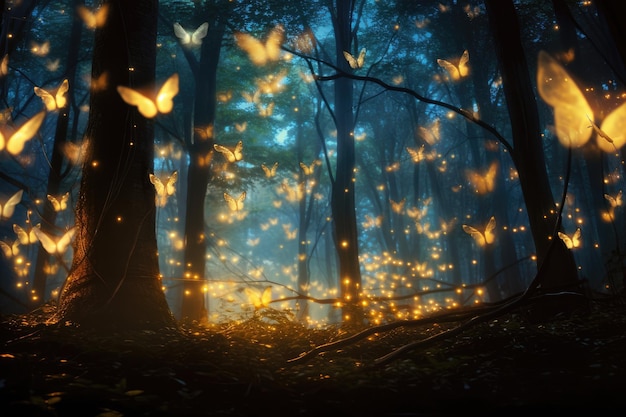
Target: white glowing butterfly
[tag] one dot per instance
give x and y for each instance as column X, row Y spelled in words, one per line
column 8, row 208
column 459, row 71
column 257, row 298
column 26, row 237
column 59, row 203
column 483, row 183
column 56, row 100
column 231, row 155
column 572, row 113
column 15, row 143
column 10, row 250
column 93, row 19
column 149, row 108
column 163, row 191
column 270, row 172
column 191, row 38
column 355, row 63
column 55, row 245
column 484, row 238
column 258, row 52
column 235, row 204
column 573, row 241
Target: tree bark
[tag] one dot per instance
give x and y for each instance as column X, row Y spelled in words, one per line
column 114, row 280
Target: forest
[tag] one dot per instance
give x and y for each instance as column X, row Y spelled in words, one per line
column 366, row 207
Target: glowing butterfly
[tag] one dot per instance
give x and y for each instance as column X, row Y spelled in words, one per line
column 309, row 169
column 225, row 97
column 431, row 134
column 417, row 213
column 55, row 245
column 205, row 160
column 59, row 203
column 483, row 183
column 270, row 172
column 273, row 221
column 272, row 83
column 4, row 65
column 99, row 83
column 290, row 234
column 257, row 298
column 258, row 52
column 149, row 108
column 191, row 39
column 241, row 127
column 355, row 63
column 8, row 208
column 573, row 241
column 614, row 201
column 74, row 152
column 253, row 242
column 252, row 98
column 10, row 250
column 204, row 132
column 397, row 79
column 572, row 112
column 15, row 143
column 484, row 238
column 231, row 155
column 40, row 49
column 398, row 206
column 53, row 66
column 293, row 194
column 372, row 222
column 56, row 100
column 93, row 19
column 25, row 237
column 163, row 191
column 235, row 204
column 418, row 155
column 459, row 71
column 265, row 111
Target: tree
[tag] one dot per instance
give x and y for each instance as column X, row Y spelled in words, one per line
column 114, row 278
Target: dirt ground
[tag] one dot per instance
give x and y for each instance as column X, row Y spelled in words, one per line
column 505, row 366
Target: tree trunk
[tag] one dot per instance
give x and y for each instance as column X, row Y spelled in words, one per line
column 114, row 280
column 559, row 271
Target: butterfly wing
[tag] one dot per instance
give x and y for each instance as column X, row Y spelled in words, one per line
column 232, row 203
column 63, row 243
column 489, row 234
column 237, row 152
column 181, row 33
column 576, row 238
column 614, row 126
column 479, row 238
column 450, row 69
column 240, row 200
column 47, row 98
column 8, row 209
column 571, row 108
column 266, row 297
column 171, row 183
column 351, row 61
column 16, row 142
column 6, row 248
column 55, row 203
column 47, row 242
column 253, row 47
column 169, row 90
column 60, row 99
column 159, row 187
column 273, row 42
column 199, row 34
column 566, row 239
column 463, row 68
column 228, row 154
column 131, row 97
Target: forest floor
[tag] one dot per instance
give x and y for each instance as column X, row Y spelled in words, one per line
column 504, row 366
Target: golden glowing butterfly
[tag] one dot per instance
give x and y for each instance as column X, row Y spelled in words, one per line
column 8, row 208
column 371, row 222
column 572, row 112
column 310, row 169
column 270, row 172
column 253, row 242
column 75, row 152
column 40, row 49
column 430, row 134
column 358, row 62
column 148, row 107
column 614, row 201
column 271, row 84
column 56, row 100
column 204, row 132
column 418, row 155
column 398, row 206
column 4, row 65
column 14, row 144
column 53, row 66
column 55, row 245
column 59, row 203
column 10, row 250
column 241, row 127
column 459, row 71
column 292, row 194
column 252, row 97
column 225, row 96
column 235, row 204
column 485, row 237
column 231, row 155
column 24, row 236
column 93, row 18
column 99, row 83
column 261, row 53
column 191, row 39
column 259, row 299
column 265, row 110
column 483, row 183
column 573, row 241
column 163, row 191
column 289, row 233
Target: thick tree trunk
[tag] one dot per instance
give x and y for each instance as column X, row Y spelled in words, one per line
column 114, row 281
column 559, row 271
